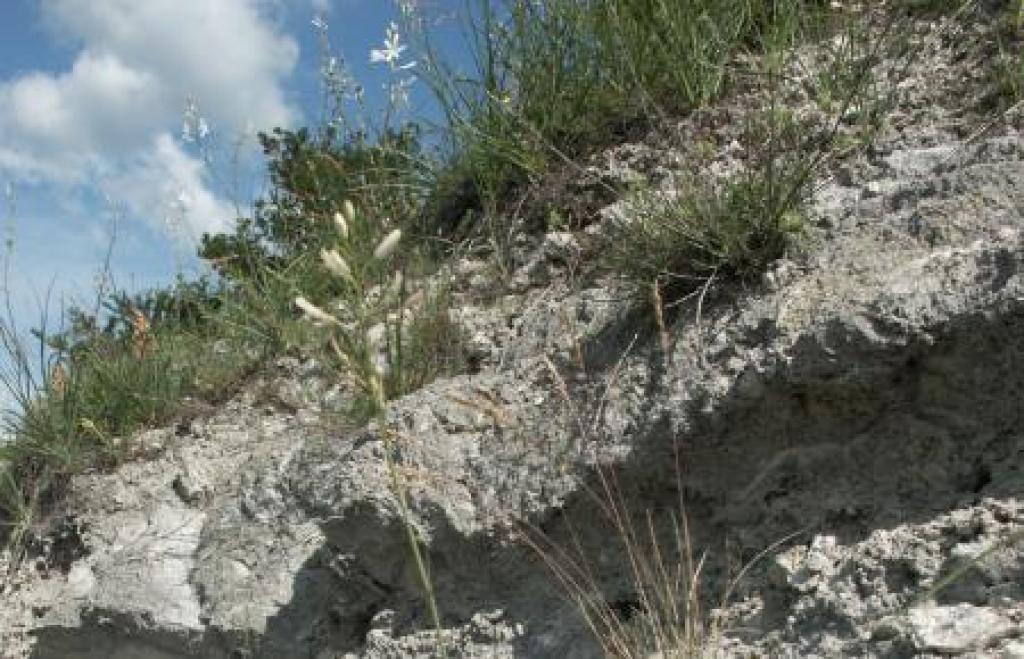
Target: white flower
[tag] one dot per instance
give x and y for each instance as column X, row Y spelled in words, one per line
column 392, row 50
column 407, row 7
column 387, row 246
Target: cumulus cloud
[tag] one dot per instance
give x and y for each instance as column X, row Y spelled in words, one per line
column 105, row 120
column 167, row 185
column 227, row 53
column 60, row 127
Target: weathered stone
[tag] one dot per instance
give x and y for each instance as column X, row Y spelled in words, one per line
column 953, row 630
column 862, row 409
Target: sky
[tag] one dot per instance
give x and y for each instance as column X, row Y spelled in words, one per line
column 101, row 106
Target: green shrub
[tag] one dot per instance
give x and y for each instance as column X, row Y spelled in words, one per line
column 310, row 176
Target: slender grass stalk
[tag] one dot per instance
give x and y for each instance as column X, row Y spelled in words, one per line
column 361, row 253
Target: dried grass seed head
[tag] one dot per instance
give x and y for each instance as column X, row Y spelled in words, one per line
column 388, row 245
column 313, row 312
column 337, row 265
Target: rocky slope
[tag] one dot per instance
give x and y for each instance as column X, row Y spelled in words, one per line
column 863, row 406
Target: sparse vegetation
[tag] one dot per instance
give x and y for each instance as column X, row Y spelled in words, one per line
column 734, row 224
column 346, row 235
column 92, row 386
column 730, row 228
column 557, row 80
column 1007, row 69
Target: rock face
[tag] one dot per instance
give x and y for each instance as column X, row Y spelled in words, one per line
column 860, row 415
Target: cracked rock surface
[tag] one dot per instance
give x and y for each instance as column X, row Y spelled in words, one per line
column 861, row 413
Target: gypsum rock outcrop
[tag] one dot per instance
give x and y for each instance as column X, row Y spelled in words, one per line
column 867, row 396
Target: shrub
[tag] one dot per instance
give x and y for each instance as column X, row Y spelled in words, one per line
column 310, row 176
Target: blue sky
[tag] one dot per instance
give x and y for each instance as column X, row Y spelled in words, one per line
column 92, row 102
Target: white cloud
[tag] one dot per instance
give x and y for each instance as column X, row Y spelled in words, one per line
column 104, row 121
column 227, row 53
column 60, row 127
column 167, row 185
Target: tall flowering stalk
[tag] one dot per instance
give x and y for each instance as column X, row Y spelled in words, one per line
column 357, row 350
column 390, row 54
